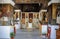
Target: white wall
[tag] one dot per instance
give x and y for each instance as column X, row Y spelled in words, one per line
column 7, row 2
column 53, row 1
column 4, row 31
column 53, row 31
column 44, row 29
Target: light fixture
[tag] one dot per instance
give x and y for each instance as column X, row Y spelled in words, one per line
column 17, row 10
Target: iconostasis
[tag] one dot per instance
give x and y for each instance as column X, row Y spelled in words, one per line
column 30, row 17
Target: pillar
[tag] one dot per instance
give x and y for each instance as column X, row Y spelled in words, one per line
column 54, row 7
column 7, row 9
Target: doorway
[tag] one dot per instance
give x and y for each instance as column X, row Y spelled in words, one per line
column 30, row 22
column 23, row 21
column 30, row 17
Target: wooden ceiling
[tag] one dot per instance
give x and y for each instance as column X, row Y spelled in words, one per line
column 31, row 7
column 27, row 1
column 43, row 2
column 25, row 5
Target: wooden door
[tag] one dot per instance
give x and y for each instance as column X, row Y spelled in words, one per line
column 23, row 18
column 30, row 17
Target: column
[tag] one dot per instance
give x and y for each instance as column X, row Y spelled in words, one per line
column 54, row 7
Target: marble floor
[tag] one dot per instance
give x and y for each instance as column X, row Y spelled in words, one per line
column 25, row 34
column 34, row 33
